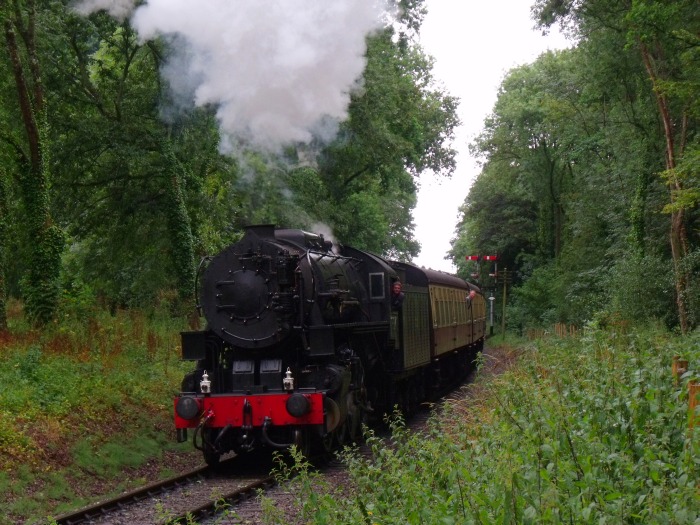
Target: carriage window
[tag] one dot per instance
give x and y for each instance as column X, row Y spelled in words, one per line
column 376, row 286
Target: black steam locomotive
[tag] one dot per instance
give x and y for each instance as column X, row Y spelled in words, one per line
column 303, row 346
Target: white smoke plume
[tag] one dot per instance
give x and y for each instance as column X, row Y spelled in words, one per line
column 276, row 70
column 119, row 9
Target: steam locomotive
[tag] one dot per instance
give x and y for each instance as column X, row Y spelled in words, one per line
column 302, row 346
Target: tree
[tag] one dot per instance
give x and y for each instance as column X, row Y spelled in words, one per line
column 665, row 37
column 32, row 159
column 141, row 191
column 499, row 216
column 400, row 125
column 129, row 179
column 362, row 186
column 566, row 189
column 522, row 139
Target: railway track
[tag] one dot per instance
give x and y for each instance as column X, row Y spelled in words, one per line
column 225, row 495
column 285, row 497
column 196, row 494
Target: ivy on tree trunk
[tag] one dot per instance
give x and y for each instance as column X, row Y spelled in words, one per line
column 179, row 226
column 3, row 249
column 41, row 288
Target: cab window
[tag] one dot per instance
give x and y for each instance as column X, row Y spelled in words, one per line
column 376, row 286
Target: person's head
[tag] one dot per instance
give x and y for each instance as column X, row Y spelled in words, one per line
column 396, row 288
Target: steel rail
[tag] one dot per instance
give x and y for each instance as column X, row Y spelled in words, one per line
column 105, row 507
column 213, row 507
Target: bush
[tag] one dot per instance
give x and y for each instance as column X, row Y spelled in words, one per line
column 86, row 398
column 556, row 294
column 581, row 431
column 641, row 289
column 690, row 266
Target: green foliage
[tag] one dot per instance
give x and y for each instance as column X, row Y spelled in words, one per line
column 362, row 186
column 91, row 399
column 400, row 125
column 78, row 300
column 142, row 191
column 138, row 177
column 109, row 458
column 30, row 143
column 313, row 497
column 641, row 289
column 498, row 217
column 533, row 304
column 688, row 173
column 41, row 286
column 4, row 229
column 220, row 202
column 91, row 360
column 637, row 288
column 653, row 47
column 690, row 266
column 580, row 431
column 569, row 194
column 179, row 227
column 272, row 193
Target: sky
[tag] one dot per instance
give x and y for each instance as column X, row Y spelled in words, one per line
column 474, row 44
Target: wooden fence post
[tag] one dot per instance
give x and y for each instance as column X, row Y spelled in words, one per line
column 693, row 398
column 678, row 368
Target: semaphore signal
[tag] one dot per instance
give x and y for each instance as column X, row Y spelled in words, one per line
column 478, row 259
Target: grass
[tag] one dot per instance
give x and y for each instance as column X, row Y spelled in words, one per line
column 582, row 430
column 87, row 409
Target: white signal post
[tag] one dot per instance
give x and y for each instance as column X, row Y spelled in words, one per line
column 493, row 275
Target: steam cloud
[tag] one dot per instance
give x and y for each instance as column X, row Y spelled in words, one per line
column 277, row 70
column 119, row 9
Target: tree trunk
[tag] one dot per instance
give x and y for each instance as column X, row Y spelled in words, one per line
column 42, row 292
column 678, row 235
column 179, row 227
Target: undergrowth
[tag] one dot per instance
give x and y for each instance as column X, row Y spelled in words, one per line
column 583, row 430
column 591, row 429
column 84, row 402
